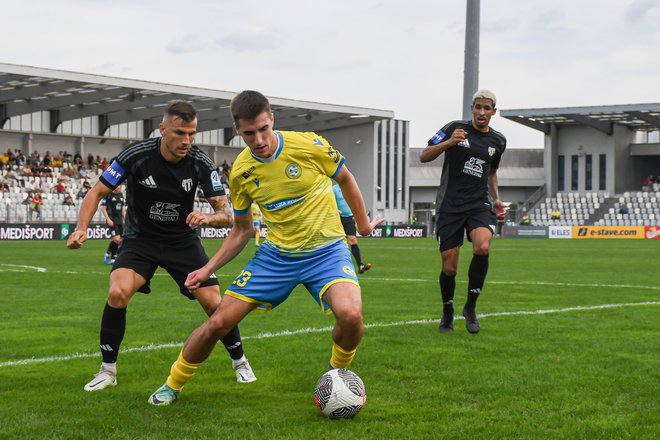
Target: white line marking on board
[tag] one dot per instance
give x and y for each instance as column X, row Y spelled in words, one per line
column 152, row 347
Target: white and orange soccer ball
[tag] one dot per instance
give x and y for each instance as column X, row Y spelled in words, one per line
column 340, row 394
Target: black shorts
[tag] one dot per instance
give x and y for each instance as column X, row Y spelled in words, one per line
column 177, row 258
column 450, row 227
column 117, row 229
column 349, row 225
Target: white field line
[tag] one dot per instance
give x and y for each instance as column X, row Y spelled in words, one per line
column 152, row 347
column 18, row 268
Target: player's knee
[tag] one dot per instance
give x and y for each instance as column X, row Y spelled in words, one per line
column 119, row 297
column 482, row 248
column 217, row 326
column 449, row 270
column 352, row 319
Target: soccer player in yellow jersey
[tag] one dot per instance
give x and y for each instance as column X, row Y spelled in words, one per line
column 256, row 222
column 288, row 174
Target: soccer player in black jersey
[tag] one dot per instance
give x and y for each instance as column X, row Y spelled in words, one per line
column 464, row 205
column 113, row 210
column 161, row 176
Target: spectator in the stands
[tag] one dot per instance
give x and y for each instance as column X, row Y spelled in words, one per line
column 60, row 188
column 68, row 200
column 556, row 214
column 623, row 209
column 48, row 159
column 82, row 192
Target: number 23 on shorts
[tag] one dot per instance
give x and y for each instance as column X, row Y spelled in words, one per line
column 242, row 278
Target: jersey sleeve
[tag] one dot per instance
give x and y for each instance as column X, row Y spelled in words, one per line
column 442, row 134
column 495, row 163
column 240, row 201
column 115, row 174
column 209, row 180
column 325, row 156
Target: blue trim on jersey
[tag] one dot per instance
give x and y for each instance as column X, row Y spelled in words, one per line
column 113, row 174
column 241, row 211
column 280, row 145
column 343, row 159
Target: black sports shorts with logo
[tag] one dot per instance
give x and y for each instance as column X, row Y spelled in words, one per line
column 116, row 229
column 349, row 225
column 451, row 227
column 178, row 258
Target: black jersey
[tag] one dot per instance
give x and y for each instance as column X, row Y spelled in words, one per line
column 114, row 203
column 464, row 180
column 160, row 194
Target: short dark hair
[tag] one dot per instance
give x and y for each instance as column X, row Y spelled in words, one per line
column 181, row 109
column 248, row 105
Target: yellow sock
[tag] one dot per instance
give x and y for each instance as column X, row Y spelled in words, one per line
column 180, row 373
column 256, row 236
column 341, row 358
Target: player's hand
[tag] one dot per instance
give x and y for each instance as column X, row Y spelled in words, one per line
column 500, row 209
column 195, row 278
column 196, row 219
column 372, row 224
column 76, row 239
column 110, row 223
column 459, row 135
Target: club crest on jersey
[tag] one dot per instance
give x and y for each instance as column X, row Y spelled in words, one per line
column 293, row 171
column 491, row 151
column 438, row 137
column 474, row 167
column 186, row 184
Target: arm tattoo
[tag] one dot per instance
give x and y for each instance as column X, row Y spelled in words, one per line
column 222, row 215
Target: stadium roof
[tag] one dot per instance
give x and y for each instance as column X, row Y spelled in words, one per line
column 72, row 95
column 602, row 118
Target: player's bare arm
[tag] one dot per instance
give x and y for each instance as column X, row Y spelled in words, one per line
column 499, row 208
column 431, row 152
column 88, row 208
column 221, row 216
column 353, row 196
column 240, row 234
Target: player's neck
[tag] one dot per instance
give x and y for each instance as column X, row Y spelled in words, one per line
column 483, row 129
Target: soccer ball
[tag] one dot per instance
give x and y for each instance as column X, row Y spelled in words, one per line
column 340, row 394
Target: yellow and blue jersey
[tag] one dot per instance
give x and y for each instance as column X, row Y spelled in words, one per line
column 292, row 190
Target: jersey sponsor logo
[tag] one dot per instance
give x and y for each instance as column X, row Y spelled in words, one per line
column 113, row 173
column 248, row 172
column 164, row 212
column 318, row 141
column 474, row 167
column 491, row 151
column 149, row 182
column 283, row 204
column 464, row 143
column 438, row 137
column 293, row 171
column 186, row 184
column 333, row 154
column 215, row 181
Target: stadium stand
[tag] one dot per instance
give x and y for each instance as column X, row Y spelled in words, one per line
column 593, row 208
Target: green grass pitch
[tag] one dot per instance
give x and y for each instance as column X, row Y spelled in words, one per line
column 569, row 348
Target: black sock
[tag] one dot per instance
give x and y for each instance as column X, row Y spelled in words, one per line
column 447, row 287
column 109, row 251
column 476, row 278
column 113, row 326
column 233, row 344
column 356, row 254
column 112, row 249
